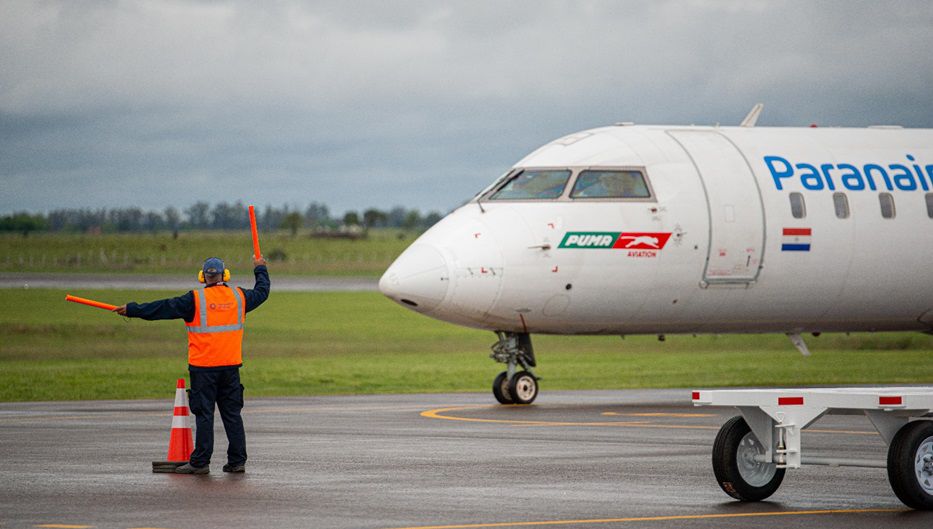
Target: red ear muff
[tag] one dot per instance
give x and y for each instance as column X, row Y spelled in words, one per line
column 201, row 276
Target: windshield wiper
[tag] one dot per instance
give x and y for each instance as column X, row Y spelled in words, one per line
column 502, row 182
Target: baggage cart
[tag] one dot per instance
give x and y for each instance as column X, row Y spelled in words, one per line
column 753, row 450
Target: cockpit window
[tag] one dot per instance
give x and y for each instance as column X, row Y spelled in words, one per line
column 610, row 184
column 533, row 184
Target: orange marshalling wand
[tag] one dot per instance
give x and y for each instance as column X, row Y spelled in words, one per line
column 252, row 225
column 89, row 302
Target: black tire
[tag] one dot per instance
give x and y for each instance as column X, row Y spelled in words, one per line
column 910, row 464
column 500, row 388
column 523, row 388
column 726, row 464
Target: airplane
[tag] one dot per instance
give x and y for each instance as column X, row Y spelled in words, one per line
column 631, row 229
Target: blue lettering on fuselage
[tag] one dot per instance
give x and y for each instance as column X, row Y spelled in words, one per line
column 905, row 176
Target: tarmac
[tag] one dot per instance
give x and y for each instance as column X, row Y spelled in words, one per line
column 578, row 459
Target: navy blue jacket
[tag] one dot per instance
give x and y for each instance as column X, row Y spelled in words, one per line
column 183, row 306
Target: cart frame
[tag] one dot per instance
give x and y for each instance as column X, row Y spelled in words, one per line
column 776, row 417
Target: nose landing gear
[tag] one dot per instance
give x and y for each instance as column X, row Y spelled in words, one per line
column 514, row 386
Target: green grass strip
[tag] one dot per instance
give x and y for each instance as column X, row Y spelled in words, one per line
column 362, row 343
column 161, row 253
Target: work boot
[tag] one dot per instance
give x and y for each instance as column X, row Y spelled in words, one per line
column 237, row 469
column 188, row 468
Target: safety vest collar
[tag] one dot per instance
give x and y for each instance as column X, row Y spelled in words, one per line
column 204, row 328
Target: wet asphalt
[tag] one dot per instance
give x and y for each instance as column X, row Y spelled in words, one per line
column 583, row 459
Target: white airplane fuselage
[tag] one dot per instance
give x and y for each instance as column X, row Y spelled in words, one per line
column 715, row 248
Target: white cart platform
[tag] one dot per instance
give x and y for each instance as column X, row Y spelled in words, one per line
column 751, row 452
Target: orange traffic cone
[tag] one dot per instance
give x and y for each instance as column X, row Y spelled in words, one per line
column 180, row 445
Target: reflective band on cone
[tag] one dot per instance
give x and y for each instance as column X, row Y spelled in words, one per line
column 180, row 444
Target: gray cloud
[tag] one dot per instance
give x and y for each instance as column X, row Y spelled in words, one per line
column 418, row 103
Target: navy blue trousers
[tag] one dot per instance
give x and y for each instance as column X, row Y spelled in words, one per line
column 222, row 388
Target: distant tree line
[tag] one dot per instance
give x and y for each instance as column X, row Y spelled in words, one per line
column 203, row 216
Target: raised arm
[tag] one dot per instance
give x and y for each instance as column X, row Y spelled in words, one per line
column 260, row 291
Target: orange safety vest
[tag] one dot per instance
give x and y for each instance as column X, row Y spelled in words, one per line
column 215, row 335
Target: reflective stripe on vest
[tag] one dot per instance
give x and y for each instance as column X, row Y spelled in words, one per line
column 204, row 328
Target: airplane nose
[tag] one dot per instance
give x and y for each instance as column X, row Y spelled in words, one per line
column 418, row 279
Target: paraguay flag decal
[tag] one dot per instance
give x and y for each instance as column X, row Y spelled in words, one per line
column 796, row 240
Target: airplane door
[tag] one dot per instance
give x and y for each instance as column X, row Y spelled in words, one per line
column 736, row 214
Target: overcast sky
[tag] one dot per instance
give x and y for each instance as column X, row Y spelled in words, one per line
column 421, row 104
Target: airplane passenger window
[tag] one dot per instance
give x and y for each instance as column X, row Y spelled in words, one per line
column 887, row 205
column 531, row 185
column 610, row 184
column 929, row 197
column 841, row 203
column 798, row 208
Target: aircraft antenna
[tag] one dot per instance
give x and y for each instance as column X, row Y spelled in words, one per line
column 752, row 116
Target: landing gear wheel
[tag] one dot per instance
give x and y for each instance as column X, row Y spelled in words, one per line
column 500, row 388
column 737, row 472
column 523, row 388
column 910, row 464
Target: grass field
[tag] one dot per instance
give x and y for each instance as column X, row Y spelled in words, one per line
column 160, row 253
column 350, row 343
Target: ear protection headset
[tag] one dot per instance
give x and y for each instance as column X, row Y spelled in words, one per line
column 202, row 280
column 213, row 265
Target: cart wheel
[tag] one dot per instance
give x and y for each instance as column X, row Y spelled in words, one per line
column 910, row 464
column 523, row 388
column 734, row 465
column 500, row 388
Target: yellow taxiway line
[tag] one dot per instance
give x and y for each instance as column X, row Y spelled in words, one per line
column 438, row 414
column 441, row 413
column 655, row 518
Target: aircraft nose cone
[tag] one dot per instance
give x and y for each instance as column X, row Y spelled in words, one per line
column 418, row 279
